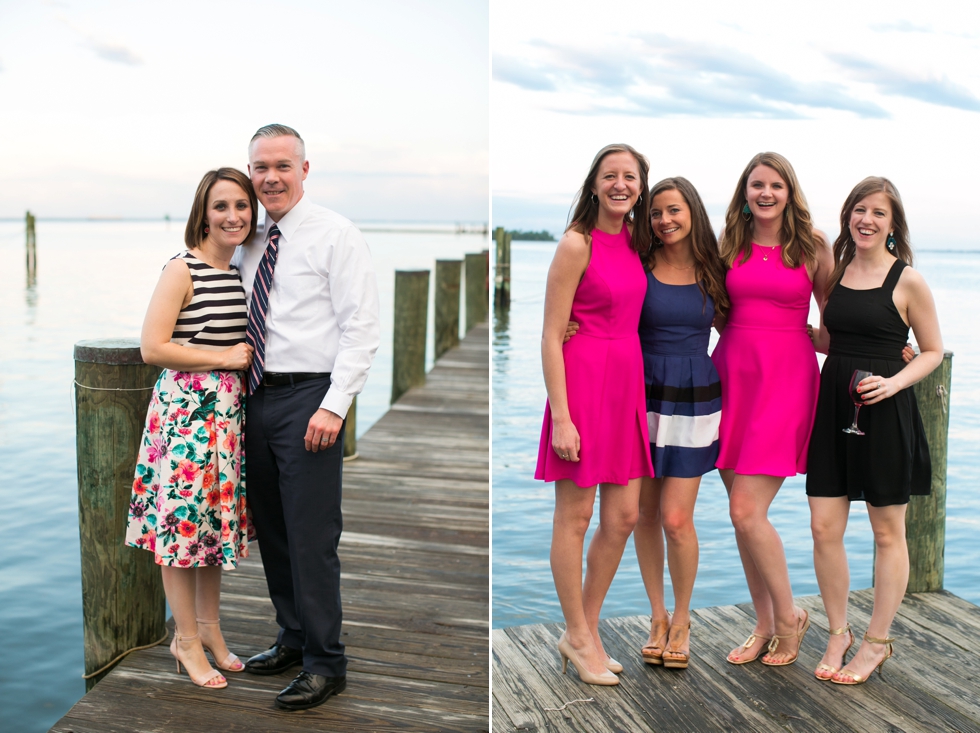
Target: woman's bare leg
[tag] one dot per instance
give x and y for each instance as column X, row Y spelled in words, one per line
column 891, row 580
column 180, row 585
column 573, row 512
column 648, row 539
column 828, row 521
column 618, row 509
column 749, row 502
column 209, row 609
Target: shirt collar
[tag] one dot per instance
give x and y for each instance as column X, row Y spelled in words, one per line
column 290, row 222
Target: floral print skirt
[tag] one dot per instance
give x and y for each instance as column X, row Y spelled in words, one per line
column 188, row 502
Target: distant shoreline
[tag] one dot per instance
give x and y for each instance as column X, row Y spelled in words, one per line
column 379, row 225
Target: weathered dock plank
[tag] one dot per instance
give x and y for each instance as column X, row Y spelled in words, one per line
column 415, row 567
column 931, row 684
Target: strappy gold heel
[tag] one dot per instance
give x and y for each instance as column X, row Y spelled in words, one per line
column 653, row 651
column 753, row 638
column 831, row 671
column 856, row 679
column 801, row 630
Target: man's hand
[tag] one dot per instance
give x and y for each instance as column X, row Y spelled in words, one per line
column 323, row 430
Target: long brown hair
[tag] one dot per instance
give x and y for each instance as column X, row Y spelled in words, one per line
column 844, row 246
column 585, row 213
column 709, row 270
column 800, row 244
column 194, row 232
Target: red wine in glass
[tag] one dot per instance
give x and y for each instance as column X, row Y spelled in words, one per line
column 857, row 399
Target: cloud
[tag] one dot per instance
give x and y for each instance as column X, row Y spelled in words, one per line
column 115, row 53
column 655, row 76
column 902, row 26
column 889, row 80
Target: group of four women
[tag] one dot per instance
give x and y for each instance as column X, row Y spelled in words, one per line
column 637, row 407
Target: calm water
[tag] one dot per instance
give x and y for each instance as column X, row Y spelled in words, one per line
column 522, row 507
column 94, row 281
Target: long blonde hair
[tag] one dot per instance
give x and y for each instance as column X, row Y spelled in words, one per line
column 585, row 212
column 796, row 235
column 844, row 245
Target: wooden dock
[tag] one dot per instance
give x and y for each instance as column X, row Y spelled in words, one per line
column 931, row 684
column 415, row 585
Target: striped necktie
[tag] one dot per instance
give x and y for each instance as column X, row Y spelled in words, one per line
column 261, row 287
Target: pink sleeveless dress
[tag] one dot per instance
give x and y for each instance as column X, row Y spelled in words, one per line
column 604, row 372
column 768, row 368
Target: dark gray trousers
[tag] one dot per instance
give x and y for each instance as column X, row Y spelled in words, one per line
column 294, row 495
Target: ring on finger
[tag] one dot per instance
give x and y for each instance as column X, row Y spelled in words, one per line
column 878, row 385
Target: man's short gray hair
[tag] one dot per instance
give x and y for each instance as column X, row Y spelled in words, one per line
column 279, row 131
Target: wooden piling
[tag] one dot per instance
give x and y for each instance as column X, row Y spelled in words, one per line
column 122, row 589
column 31, row 249
column 447, row 305
column 350, row 432
column 925, row 519
column 411, row 315
column 476, row 291
column 501, row 280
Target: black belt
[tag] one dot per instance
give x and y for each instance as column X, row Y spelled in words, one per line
column 278, row 379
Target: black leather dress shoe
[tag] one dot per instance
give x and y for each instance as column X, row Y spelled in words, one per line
column 309, row 690
column 278, row 659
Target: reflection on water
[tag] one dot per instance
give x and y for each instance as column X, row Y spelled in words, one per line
column 94, row 281
column 522, row 507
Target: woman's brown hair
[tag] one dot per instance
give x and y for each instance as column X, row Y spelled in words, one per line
column 197, row 222
column 585, row 211
column 709, row 270
column 800, row 244
column 844, row 245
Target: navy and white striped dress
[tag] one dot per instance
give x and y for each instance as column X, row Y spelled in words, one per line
column 188, row 498
column 683, row 388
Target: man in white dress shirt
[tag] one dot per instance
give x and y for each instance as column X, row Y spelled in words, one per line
column 321, row 331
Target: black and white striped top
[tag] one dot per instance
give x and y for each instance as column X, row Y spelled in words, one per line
column 217, row 315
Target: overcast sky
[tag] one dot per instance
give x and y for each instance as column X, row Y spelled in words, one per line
column 842, row 89
column 115, row 108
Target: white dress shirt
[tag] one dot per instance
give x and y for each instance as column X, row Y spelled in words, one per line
column 323, row 308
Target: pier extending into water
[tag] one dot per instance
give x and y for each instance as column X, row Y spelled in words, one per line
column 932, row 683
column 415, row 568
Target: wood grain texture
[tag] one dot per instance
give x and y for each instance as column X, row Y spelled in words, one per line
column 447, row 305
column 414, row 582
column 932, row 683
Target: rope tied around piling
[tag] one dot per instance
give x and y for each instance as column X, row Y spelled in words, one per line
column 113, row 389
column 125, row 653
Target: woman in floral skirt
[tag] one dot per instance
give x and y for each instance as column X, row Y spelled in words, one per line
column 188, row 503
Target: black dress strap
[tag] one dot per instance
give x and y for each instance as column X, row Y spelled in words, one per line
column 891, row 280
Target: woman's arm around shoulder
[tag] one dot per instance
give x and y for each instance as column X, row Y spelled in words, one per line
column 914, row 300
column 569, row 264
column 173, row 292
column 823, row 270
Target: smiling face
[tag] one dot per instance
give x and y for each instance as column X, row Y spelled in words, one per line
column 871, row 221
column 671, row 217
column 766, row 193
column 277, row 169
column 228, row 215
column 617, row 184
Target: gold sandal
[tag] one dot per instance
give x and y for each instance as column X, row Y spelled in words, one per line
column 801, row 630
column 653, row 651
column 856, row 679
column 677, row 658
column 843, row 657
column 753, row 638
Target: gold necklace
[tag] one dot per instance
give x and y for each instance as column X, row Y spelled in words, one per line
column 668, row 262
column 765, row 255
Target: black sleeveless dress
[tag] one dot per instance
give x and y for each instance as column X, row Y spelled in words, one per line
column 891, row 461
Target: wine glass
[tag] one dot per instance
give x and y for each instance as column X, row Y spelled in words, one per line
column 856, row 399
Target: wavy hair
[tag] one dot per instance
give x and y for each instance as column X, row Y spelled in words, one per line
column 709, row 270
column 800, row 244
column 197, row 221
column 585, row 213
column 844, row 246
